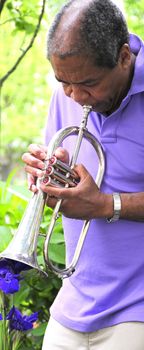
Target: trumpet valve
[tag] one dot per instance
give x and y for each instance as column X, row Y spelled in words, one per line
column 60, row 174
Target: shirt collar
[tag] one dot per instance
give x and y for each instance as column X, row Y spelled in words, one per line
column 137, row 47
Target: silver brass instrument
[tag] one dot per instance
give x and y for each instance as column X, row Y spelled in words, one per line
column 23, row 246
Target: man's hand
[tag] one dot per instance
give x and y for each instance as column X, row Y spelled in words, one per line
column 34, row 160
column 84, row 201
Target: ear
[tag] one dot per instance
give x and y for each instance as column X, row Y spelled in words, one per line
column 125, row 56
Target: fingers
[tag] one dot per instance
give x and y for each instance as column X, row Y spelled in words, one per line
column 35, row 156
column 51, row 201
column 65, row 192
column 32, row 183
column 34, row 164
column 82, row 196
column 81, row 171
column 76, row 202
column 62, row 155
column 39, row 151
column 34, row 160
column 57, row 192
column 33, row 171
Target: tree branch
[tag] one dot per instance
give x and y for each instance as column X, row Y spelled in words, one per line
column 8, row 20
column 5, row 77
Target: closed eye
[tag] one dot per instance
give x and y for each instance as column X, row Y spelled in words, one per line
column 89, row 83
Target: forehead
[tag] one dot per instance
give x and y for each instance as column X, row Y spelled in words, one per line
column 75, row 68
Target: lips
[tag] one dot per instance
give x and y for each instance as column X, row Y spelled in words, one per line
column 102, row 107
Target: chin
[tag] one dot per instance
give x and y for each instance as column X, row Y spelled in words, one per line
column 97, row 110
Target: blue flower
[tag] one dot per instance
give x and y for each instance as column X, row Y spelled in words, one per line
column 20, row 322
column 1, row 317
column 9, row 280
column 18, row 266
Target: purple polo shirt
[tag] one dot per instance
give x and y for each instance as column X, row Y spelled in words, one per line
column 108, row 285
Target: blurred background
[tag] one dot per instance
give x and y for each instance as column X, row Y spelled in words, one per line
column 25, row 93
column 27, row 83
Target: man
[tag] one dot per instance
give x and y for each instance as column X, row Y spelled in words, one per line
column 101, row 306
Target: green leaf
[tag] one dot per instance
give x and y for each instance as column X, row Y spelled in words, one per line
column 5, row 237
column 9, row 5
column 57, row 237
column 20, row 192
column 22, row 294
column 39, row 331
column 57, row 253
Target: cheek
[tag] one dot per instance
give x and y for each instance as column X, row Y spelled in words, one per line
column 67, row 90
column 102, row 92
column 98, row 93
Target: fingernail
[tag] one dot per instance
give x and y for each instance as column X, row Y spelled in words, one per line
column 39, row 173
column 41, row 165
column 43, row 155
column 32, row 188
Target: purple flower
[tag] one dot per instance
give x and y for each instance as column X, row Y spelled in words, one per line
column 18, row 266
column 9, row 280
column 1, row 317
column 20, row 322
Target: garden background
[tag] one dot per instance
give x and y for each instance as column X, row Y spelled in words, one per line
column 27, row 82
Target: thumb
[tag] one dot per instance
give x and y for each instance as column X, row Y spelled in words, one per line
column 81, row 171
column 62, row 154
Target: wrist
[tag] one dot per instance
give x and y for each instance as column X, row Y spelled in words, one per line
column 104, row 209
column 108, row 207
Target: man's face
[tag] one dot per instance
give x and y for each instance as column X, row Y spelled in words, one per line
column 102, row 88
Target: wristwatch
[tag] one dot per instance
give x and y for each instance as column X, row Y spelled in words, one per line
column 117, row 208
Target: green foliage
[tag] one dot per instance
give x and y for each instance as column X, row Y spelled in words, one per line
column 23, row 14
column 25, row 98
column 135, row 16
column 25, row 95
column 24, row 103
column 37, row 292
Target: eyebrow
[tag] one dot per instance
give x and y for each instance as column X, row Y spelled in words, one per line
column 76, row 83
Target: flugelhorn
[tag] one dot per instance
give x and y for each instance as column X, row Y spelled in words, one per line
column 23, row 247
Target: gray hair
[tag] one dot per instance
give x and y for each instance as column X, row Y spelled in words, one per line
column 99, row 31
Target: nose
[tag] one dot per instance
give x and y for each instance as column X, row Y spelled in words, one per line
column 78, row 94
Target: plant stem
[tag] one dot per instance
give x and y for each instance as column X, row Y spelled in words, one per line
column 4, row 328
column 5, row 303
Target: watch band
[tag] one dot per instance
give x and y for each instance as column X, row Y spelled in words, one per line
column 117, row 208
